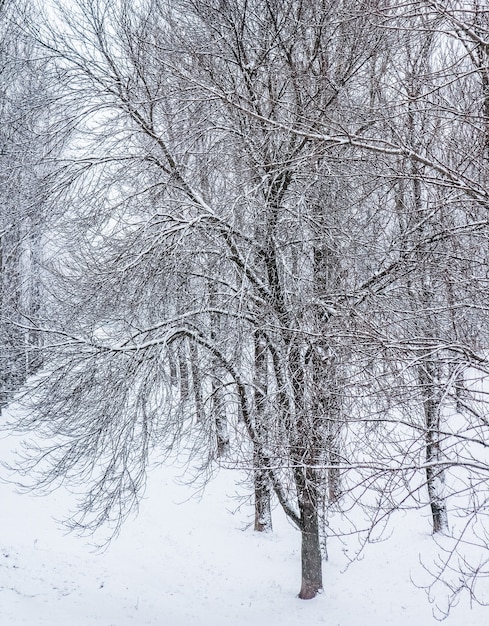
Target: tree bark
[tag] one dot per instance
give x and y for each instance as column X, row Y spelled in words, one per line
column 435, row 473
column 263, row 510
column 183, row 369
column 220, row 419
column 196, row 382
column 311, row 558
column 261, row 480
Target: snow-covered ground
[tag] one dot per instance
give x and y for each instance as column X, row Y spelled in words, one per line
column 185, row 561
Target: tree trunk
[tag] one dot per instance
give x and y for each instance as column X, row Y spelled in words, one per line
column 312, row 579
column 435, row 474
column 220, row 419
column 218, row 399
column 435, row 479
column 172, row 365
column 196, row 382
column 183, row 369
column 306, row 451
column 263, row 510
column 334, row 480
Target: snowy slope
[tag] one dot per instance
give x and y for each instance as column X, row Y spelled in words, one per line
column 189, row 562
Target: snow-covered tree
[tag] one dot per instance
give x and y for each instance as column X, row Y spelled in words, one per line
column 22, row 147
column 263, row 217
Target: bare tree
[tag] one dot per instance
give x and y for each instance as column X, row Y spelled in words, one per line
column 22, row 148
column 264, row 227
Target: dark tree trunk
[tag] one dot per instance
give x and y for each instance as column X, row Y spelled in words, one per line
column 311, row 558
column 327, row 276
column 306, row 451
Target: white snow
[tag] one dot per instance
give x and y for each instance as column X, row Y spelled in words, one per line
column 185, row 561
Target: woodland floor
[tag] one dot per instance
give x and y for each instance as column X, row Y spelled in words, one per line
column 190, row 561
